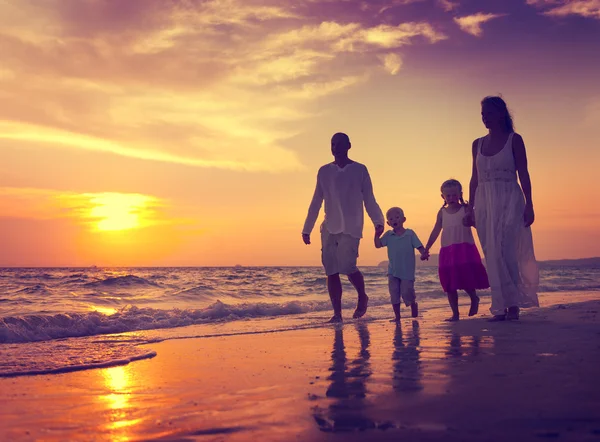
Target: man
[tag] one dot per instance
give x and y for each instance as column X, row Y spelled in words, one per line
column 345, row 185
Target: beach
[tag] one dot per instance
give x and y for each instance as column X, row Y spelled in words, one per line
column 535, row 379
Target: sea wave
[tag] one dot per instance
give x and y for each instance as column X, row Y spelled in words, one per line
column 33, row 328
column 122, row 281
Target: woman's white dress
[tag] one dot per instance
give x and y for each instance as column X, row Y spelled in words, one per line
column 507, row 244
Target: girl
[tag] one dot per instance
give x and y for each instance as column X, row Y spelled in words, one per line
column 460, row 266
column 502, row 212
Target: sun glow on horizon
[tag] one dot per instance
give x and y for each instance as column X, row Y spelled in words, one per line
column 120, row 211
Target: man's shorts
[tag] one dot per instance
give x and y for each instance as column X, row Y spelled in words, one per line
column 401, row 288
column 339, row 252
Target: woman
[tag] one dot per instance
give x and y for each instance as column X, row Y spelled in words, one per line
column 502, row 212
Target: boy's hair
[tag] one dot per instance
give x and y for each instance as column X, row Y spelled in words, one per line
column 499, row 103
column 391, row 209
column 452, row 183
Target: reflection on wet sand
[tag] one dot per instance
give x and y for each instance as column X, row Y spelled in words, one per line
column 457, row 343
column 347, row 386
column 117, row 380
column 407, row 375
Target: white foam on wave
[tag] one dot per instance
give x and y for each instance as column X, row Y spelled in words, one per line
column 76, row 367
column 33, row 328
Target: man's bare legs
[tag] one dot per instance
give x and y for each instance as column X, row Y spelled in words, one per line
column 358, row 282
column 334, row 287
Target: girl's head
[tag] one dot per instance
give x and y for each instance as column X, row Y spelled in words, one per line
column 495, row 114
column 452, row 192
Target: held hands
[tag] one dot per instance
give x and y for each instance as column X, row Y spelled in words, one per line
column 528, row 215
column 424, row 255
column 378, row 230
column 469, row 218
column 306, row 238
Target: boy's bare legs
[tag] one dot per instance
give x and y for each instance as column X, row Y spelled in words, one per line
column 396, row 308
column 453, row 301
column 357, row 280
column 334, row 287
column 474, row 302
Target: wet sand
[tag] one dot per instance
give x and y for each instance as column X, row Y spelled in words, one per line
column 536, row 379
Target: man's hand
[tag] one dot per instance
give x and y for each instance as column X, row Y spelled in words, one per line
column 379, row 230
column 306, row 238
column 425, row 255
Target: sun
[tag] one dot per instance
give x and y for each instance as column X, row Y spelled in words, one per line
column 119, row 211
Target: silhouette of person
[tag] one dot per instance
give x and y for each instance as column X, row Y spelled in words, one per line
column 502, row 212
column 346, row 187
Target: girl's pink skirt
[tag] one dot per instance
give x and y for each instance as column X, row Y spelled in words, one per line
column 460, row 268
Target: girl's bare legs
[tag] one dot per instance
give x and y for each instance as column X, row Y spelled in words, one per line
column 453, row 301
column 474, row 302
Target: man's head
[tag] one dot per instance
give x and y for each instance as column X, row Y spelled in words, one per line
column 340, row 144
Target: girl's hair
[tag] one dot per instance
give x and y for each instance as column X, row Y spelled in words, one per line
column 453, row 183
column 499, row 103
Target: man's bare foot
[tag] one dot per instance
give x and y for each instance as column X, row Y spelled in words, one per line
column 361, row 308
column 396, row 320
column 414, row 309
column 452, row 319
column 335, row 319
column 474, row 306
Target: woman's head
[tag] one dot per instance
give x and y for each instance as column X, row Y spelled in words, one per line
column 452, row 192
column 495, row 114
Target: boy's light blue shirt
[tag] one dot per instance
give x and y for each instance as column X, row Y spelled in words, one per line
column 401, row 253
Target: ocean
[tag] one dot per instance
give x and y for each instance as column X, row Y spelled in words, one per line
column 54, row 320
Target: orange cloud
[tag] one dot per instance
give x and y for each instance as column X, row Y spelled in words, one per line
column 471, row 24
column 219, row 83
column 101, row 211
column 563, row 8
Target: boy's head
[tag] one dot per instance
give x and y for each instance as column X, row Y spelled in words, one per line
column 395, row 217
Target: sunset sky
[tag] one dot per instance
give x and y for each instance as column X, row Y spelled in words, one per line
column 188, row 132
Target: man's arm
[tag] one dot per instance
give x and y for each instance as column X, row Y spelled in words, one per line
column 313, row 212
column 373, row 209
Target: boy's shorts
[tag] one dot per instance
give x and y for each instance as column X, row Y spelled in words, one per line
column 401, row 288
column 339, row 252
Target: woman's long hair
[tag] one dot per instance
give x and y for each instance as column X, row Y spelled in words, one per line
column 499, row 103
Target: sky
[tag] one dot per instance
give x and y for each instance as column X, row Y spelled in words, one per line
column 189, row 133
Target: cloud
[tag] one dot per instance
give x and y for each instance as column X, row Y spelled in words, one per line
column 392, row 63
column 99, row 211
column 217, row 83
column 563, row 8
column 471, row 24
column 447, row 5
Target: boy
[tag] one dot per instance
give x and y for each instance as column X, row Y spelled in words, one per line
column 401, row 243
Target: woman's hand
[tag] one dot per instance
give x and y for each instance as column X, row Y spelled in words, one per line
column 469, row 218
column 528, row 215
